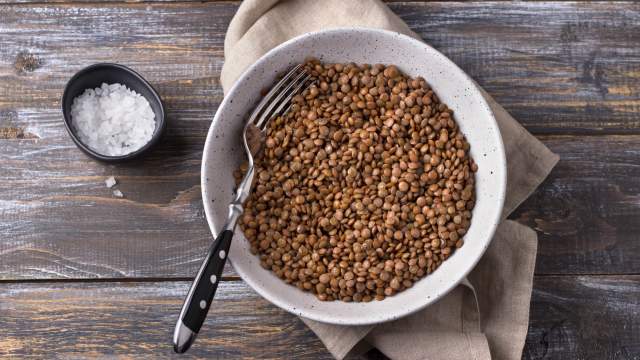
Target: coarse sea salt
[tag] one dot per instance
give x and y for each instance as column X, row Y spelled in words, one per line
column 112, row 119
column 110, row 182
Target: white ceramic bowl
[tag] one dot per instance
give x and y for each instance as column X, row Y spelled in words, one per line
column 223, row 153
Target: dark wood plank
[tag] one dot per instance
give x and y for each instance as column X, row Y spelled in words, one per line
column 68, row 225
column 559, row 72
column 571, row 318
column 59, row 221
column 136, row 320
column 555, row 66
column 58, row 218
column 586, row 213
column 585, row 317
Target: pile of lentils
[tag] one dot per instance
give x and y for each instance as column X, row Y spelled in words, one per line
column 363, row 187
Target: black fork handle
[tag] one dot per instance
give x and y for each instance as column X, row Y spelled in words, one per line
column 198, row 301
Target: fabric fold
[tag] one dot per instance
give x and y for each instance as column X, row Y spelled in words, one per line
column 487, row 315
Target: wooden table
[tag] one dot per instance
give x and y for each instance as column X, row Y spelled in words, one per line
column 83, row 273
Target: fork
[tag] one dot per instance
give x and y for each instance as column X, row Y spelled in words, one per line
column 196, row 305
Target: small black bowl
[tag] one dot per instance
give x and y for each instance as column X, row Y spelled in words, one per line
column 92, row 77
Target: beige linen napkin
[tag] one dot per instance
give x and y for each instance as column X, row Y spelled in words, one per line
column 488, row 314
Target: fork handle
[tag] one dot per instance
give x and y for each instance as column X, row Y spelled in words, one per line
column 197, row 303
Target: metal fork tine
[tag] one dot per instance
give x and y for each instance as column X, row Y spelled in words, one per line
column 287, row 102
column 284, row 95
column 273, row 92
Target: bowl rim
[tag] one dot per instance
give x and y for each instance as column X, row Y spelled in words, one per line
column 418, row 305
column 160, row 120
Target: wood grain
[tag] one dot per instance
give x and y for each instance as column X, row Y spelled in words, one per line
column 58, row 218
column 553, row 65
column 136, row 320
column 68, row 225
column 559, row 72
column 585, row 317
column 60, row 221
column 586, row 213
column 572, row 318
column 569, row 71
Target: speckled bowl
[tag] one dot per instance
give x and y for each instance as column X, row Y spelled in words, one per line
column 223, row 152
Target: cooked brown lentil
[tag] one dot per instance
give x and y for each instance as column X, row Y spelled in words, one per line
column 365, row 186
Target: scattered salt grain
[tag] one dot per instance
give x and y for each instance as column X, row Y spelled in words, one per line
column 118, row 193
column 112, row 119
column 110, row 182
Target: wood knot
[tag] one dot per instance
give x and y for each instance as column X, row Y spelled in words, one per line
column 8, row 133
column 26, row 62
